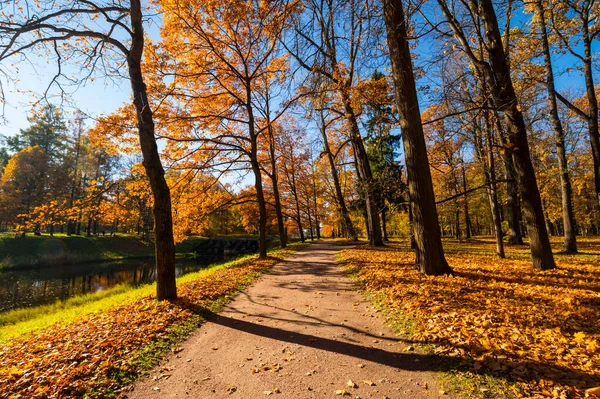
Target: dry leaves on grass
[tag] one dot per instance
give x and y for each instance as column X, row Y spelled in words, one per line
column 68, row 361
column 540, row 329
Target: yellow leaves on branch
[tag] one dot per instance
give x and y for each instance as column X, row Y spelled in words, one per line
column 537, row 328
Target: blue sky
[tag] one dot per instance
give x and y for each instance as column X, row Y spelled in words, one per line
column 94, row 98
column 103, row 96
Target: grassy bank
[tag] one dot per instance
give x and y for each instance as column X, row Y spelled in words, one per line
column 99, row 353
column 60, row 249
column 27, row 320
column 44, row 250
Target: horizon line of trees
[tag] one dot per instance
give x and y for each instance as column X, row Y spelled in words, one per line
column 242, row 96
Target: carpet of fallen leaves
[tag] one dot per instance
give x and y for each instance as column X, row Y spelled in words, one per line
column 500, row 316
column 70, row 361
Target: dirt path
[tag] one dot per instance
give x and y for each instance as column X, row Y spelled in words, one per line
column 301, row 331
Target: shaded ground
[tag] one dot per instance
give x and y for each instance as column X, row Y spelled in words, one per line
column 301, row 331
column 535, row 331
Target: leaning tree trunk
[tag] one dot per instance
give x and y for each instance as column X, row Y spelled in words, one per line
column 364, row 168
column 429, row 252
column 507, row 102
column 490, row 179
column 570, row 241
column 275, row 181
column 163, row 224
column 468, row 226
column 348, row 227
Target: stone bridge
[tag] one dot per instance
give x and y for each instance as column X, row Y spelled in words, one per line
column 223, row 245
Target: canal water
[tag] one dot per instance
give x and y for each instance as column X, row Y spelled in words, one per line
column 32, row 287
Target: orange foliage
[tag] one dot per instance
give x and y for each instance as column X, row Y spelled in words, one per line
column 539, row 329
column 87, row 356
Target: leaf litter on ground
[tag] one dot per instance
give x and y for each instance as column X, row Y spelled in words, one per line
column 83, row 358
column 540, row 330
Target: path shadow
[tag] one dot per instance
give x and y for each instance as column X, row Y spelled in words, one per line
column 407, row 361
column 312, row 321
column 513, row 370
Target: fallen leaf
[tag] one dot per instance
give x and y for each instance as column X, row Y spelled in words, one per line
column 342, row 392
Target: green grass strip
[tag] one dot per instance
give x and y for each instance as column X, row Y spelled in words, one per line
column 19, row 322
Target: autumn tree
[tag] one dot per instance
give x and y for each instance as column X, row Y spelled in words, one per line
column 24, row 183
column 89, row 31
column 430, row 257
column 495, row 70
column 570, row 243
column 575, row 25
column 221, row 75
column 333, row 40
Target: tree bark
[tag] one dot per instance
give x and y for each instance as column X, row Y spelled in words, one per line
column 165, row 246
column 507, row 102
column 430, row 257
column 513, row 202
column 489, row 168
column 364, row 169
column 468, row 227
column 348, row 227
column 570, row 241
column 275, row 181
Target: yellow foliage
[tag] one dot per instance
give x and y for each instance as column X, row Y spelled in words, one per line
column 538, row 328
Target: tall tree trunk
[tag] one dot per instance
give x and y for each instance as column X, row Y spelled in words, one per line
column 592, row 120
column 262, row 206
column 490, row 179
column 364, row 168
column 314, row 198
column 570, row 243
column 513, row 202
column 429, row 252
column 384, row 225
column 275, row 181
column 163, row 224
column 258, row 185
column 348, row 227
column 507, row 102
column 468, row 227
column 294, row 190
column 456, row 220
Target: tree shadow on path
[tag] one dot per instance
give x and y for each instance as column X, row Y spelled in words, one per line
column 526, row 370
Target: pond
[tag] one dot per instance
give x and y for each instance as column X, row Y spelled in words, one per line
column 32, row 287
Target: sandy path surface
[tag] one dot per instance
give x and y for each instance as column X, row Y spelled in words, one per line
column 300, row 331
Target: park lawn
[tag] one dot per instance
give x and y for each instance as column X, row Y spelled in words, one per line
column 536, row 332
column 45, row 250
column 99, row 347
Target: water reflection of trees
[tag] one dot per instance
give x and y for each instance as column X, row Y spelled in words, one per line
column 36, row 287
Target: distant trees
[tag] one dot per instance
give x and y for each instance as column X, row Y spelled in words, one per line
column 63, row 30
column 291, row 95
